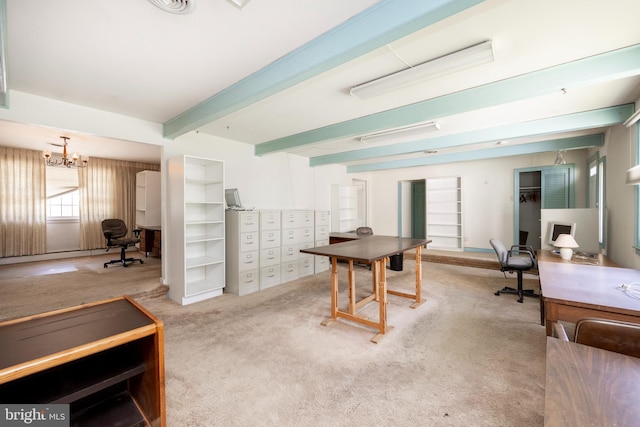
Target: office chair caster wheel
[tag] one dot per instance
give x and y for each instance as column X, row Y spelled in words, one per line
column 141, row 262
column 497, row 293
column 105, row 266
column 125, row 265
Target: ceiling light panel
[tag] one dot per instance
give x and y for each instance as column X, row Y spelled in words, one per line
column 404, row 134
column 457, row 61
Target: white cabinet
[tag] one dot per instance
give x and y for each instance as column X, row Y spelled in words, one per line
column 345, row 215
column 196, row 217
column 298, row 232
column 323, row 228
column 148, row 199
column 444, row 213
column 243, row 249
column 273, row 238
column 270, row 248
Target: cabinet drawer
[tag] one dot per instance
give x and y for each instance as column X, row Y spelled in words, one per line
column 323, row 218
column 290, row 236
column 248, row 260
column 290, row 271
column 306, row 218
column 322, row 232
column 270, row 239
column 269, row 257
column 269, row 276
column 322, row 263
column 289, row 253
column 249, row 242
column 249, row 222
column 289, row 220
column 306, row 234
column 270, row 220
column 306, row 266
column 249, row 281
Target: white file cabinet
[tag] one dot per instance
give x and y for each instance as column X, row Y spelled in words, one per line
column 243, row 252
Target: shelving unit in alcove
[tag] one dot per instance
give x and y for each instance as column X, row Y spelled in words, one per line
column 444, row 213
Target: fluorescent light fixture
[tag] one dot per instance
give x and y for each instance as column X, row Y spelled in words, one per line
column 447, row 64
column 633, row 176
column 239, row 3
column 633, row 119
column 408, row 133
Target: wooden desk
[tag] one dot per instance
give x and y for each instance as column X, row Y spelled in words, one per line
column 104, row 359
column 587, row 386
column 374, row 250
column 572, row 291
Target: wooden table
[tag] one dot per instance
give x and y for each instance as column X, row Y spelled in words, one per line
column 573, row 291
column 587, row 386
column 374, row 250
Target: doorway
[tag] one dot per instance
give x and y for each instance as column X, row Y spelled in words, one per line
column 412, row 209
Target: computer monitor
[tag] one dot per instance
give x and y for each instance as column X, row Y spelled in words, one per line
column 557, row 228
column 233, row 199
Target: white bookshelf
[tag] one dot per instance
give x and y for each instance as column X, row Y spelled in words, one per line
column 444, row 213
column 196, row 208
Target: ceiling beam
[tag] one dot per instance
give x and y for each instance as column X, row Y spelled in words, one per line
column 603, row 117
column 382, row 23
column 600, row 68
column 502, row 151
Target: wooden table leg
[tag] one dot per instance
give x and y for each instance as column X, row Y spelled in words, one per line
column 418, row 277
column 334, row 292
column 382, row 291
column 352, row 289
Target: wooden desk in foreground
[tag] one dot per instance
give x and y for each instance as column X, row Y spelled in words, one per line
column 587, row 386
column 104, row 359
column 573, row 291
column 374, row 250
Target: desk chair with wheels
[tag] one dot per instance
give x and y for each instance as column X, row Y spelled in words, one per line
column 115, row 231
column 612, row 335
column 519, row 259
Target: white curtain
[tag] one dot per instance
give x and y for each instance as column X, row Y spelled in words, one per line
column 107, row 190
column 22, row 202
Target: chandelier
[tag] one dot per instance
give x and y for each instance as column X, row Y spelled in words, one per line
column 75, row 161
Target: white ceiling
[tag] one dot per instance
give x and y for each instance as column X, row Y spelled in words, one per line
column 131, row 58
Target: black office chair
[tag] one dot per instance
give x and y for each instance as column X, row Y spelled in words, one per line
column 519, row 259
column 364, row 231
column 115, row 231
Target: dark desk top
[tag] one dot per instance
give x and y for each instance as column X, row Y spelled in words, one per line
column 41, row 336
column 587, row 386
column 367, row 249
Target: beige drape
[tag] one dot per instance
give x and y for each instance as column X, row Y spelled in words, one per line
column 107, row 190
column 22, row 202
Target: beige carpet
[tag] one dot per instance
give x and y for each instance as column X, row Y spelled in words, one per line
column 463, row 358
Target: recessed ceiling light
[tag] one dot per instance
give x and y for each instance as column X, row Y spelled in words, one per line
column 174, row 6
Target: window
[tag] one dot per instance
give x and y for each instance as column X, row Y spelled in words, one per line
column 63, row 205
column 63, row 196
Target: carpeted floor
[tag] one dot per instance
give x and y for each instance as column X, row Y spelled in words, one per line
column 463, row 358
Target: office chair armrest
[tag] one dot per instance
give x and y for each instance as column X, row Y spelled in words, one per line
column 559, row 332
column 521, row 249
column 137, row 232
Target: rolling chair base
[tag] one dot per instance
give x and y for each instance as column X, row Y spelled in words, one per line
column 521, row 294
column 124, row 261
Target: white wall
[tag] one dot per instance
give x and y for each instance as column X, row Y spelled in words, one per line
column 487, row 193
